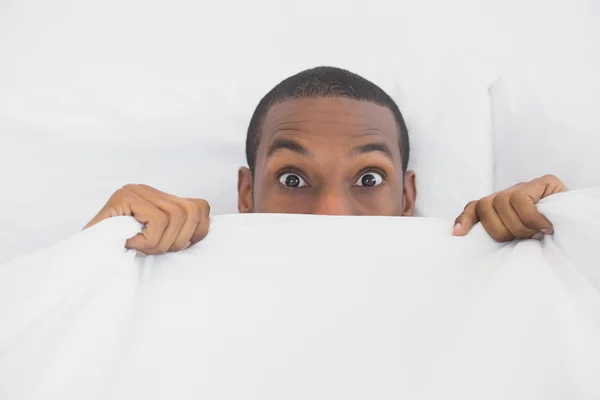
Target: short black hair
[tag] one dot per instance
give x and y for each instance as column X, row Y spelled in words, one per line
column 324, row 82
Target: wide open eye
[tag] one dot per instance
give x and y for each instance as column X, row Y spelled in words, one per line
column 370, row 179
column 292, row 180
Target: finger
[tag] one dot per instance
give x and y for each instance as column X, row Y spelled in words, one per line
column 465, row 221
column 202, row 228
column 538, row 236
column 543, row 187
column 491, row 220
column 155, row 222
column 552, row 185
column 525, row 207
column 117, row 205
column 509, row 217
column 106, row 212
column 193, row 217
column 176, row 216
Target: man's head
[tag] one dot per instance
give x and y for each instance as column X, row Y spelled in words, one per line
column 327, row 141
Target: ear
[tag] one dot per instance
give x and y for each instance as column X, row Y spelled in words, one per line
column 410, row 194
column 245, row 200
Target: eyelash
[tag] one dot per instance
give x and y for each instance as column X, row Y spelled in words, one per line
column 290, row 170
column 371, row 169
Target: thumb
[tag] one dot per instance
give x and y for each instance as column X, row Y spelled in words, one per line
column 465, row 221
column 545, row 186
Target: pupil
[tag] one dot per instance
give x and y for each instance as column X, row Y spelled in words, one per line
column 292, row 181
column 369, row 180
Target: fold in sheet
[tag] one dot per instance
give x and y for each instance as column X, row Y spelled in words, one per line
column 297, row 307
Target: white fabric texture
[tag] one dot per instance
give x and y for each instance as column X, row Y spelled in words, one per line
column 297, row 307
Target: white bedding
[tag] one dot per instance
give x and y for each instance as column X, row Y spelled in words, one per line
column 299, row 307
column 98, row 94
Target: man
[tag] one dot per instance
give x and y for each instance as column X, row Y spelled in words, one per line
column 324, row 141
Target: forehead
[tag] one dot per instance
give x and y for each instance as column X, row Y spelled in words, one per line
column 329, row 119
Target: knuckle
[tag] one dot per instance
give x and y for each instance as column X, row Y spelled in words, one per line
column 520, row 201
column 204, row 206
column 203, row 229
column 534, row 221
column 180, row 216
column 140, row 244
column 120, row 194
column 121, row 199
column 177, row 215
column 129, row 187
column 124, row 194
column 200, row 233
column 150, row 251
column 488, row 199
column 522, row 232
column 470, row 205
column 550, row 178
column 529, row 219
column 177, row 247
column 484, row 204
column 132, row 244
column 500, row 235
column 502, row 199
column 479, row 208
column 161, row 249
column 508, row 193
column 153, row 241
column 192, row 213
column 161, row 219
column 497, row 200
column 495, row 236
column 504, row 237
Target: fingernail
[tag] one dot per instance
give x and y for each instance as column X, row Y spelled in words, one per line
column 546, row 231
column 538, row 236
column 456, row 227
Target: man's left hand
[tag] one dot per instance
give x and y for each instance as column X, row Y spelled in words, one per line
column 511, row 213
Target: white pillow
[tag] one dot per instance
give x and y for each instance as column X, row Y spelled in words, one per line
column 546, row 122
column 105, row 98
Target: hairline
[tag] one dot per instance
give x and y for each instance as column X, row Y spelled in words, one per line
column 277, row 101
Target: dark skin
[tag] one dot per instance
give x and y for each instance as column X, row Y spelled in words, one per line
column 327, row 156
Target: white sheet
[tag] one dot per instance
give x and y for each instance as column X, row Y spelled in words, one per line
column 297, row 307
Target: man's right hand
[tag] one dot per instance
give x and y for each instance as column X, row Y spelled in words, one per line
column 170, row 223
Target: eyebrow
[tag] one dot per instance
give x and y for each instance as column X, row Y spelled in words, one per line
column 373, row 147
column 287, row 144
